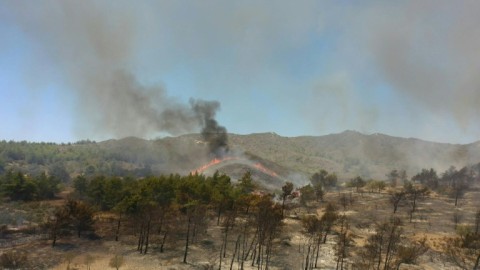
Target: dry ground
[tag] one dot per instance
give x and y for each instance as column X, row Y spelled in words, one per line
column 433, row 220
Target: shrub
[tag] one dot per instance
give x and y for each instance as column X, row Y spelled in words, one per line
column 13, row 259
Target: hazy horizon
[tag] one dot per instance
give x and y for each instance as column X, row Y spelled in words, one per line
column 242, row 134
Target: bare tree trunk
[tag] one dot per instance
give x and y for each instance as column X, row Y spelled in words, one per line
column 225, row 241
column 163, row 241
column 254, row 255
column 379, row 255
column 162, row 219
column 302, row 250
column 414, row 202
column 186, row 243
column 219, row 213
column 318, row 248
column 140, row 239
column 54, row 239
column 251, row 245
column 389, row 248
column 244, row 246
column 267, row 254
column 221, row 257
column 260, row 256
column 147, row 236
column 477, row 221
column 117, row 231
column 160, row 227
column 55, row 228
column 477, row 262
column 307, row 261
column 325, row 236
column 235, row 252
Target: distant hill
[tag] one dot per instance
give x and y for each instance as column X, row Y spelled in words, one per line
column 347, row 154
column 352, row 153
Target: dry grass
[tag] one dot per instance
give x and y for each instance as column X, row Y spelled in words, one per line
column 431, row 221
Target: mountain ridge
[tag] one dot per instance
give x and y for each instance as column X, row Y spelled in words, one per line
column 348, row 154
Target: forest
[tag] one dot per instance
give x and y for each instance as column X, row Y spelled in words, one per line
column 173, row 212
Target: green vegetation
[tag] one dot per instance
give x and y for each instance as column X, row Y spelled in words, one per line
column 348, row 154
column 127, row 157
column 20, row 187
column 73, row 217
column 176, row 206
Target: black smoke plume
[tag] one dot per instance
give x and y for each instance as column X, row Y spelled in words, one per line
column 214, row 134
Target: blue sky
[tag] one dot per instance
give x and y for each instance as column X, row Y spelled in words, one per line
column 72, row 70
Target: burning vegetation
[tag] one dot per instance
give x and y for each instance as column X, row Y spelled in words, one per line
column 220, row 162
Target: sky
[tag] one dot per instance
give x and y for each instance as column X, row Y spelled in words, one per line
column 74, row 70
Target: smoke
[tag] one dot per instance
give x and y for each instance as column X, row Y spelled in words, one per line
column 94, row 48
column 214, row 134
column 113, row 56
column 428, row 52
column 414, row 63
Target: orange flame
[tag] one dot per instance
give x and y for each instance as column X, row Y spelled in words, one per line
column 214, row 161
column 261, row 168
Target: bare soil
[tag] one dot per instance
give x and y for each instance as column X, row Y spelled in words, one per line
column 433, row 221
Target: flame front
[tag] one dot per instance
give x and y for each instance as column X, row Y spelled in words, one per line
column 214, row 161
column 261, row 168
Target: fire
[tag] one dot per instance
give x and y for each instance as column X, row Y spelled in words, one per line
column 261, row 168
column 216, row 161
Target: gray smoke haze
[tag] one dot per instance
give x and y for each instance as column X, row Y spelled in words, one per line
column 94, row 48
column 100, row 48
column 428, row 51
column 425, row 51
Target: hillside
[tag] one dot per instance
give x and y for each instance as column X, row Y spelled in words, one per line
column 352, row 153
column 347, row 154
